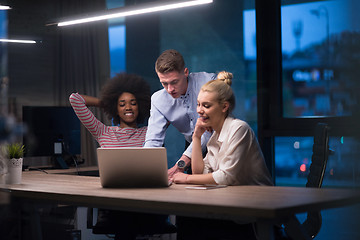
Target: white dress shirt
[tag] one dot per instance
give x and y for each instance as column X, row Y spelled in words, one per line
column 234, row 156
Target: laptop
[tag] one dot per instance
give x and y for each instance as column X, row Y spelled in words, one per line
column 134, row 167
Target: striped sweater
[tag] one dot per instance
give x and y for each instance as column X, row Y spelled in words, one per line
column 106, row 136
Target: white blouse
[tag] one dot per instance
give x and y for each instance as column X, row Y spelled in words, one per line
column 234, row 156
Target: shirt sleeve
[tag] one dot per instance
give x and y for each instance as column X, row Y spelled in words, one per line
column 157, row 126
column 207, row 166
column 204, row 140
column 87, row 118
column 234, row 160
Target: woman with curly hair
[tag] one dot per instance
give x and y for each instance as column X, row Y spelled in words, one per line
column 126, row 100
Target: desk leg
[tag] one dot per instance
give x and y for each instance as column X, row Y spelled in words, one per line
column 265, row 229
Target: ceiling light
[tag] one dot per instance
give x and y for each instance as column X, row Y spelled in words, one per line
column 136, row 10
column 3, row 7
column 16, row 41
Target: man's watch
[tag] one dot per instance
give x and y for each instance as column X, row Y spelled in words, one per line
column 181, row 164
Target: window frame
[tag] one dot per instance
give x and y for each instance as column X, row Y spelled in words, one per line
column 271, row 122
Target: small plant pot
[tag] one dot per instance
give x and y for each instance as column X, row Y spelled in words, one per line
column 3, row 169
column 14, row 173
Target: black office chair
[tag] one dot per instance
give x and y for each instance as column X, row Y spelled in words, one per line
column 129, row 228
column 311, row 226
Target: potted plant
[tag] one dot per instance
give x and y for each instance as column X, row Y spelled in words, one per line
column 13, row 153
column 3, row 168
column 14, row 150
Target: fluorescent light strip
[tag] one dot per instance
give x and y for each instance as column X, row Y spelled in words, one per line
column 136, row 12
column 3, row 7
column 17, row 41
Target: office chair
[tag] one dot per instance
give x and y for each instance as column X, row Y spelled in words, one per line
column 152, row 228
column 311, row 226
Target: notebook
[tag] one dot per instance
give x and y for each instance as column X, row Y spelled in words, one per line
column 133, row 167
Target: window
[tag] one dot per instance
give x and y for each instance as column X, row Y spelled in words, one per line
column 117, row 43
column 3, row 46
column 320, row 49
column 117, row 46
column 293, row 158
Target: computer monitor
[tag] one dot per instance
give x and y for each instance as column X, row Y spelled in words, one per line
column 51, row 131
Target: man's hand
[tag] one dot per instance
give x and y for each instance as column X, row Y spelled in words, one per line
column 180, row 177
column 176, row 169
column 173, row 171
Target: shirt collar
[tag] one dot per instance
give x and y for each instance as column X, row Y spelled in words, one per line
column 225, row 129
column 188, row 90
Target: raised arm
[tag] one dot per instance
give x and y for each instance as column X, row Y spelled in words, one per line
column 91, row 101
column 87, row 118
column 204, row 139
column 197, row 163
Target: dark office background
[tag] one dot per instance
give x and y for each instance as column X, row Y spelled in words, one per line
column 295, row 62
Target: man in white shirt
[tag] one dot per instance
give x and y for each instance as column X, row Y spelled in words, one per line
column 175, row 104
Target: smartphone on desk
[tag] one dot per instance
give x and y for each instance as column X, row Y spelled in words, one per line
column 205, row 186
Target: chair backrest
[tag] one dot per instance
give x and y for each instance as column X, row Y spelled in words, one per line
column 311, row 226
column 319, row 159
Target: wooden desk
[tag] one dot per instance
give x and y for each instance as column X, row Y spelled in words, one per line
column 266, row 205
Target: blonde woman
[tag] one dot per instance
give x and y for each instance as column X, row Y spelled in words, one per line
column 234, row 156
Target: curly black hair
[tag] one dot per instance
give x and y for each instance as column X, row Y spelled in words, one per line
column 124, row 82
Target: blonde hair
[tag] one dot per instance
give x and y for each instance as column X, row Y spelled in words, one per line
column 222, row 86
column 225, row 76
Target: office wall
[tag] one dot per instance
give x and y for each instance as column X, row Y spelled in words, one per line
column 143, row 46
column 31, row 66
column 62, row 61
column 36, row 70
